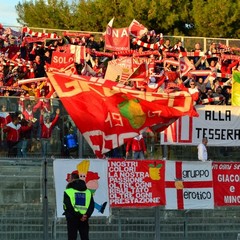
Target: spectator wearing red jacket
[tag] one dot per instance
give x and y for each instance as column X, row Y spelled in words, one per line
column 46, row 130
column 138, row 146
column 5, row 118
column 13, row 130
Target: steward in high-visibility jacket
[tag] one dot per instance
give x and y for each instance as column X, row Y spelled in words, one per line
column 78, row 204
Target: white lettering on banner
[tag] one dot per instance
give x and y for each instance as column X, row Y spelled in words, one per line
column 114, row 119
column 154, row 113
column 228, row 178
column 231, row 199
column 118, row 33
column 225, row 166
column 62, row 60
column 127, row 185
column 236, row 166
column 113, row 139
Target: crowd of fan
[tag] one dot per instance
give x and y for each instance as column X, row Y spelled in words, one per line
column 32, row 59
column 27, row 100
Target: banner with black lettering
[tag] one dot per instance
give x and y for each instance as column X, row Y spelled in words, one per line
column 189, row 185
column 220, row 124
column 226, row 183
column 93, row 172
column 134, row 183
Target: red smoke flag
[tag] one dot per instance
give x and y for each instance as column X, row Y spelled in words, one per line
column 137, row 29
column 108, row 113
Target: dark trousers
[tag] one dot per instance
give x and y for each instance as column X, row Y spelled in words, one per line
column 74, row 225
column 12, row 148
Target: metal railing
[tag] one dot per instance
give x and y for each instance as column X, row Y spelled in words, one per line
column 27, row 206
column 188, row 41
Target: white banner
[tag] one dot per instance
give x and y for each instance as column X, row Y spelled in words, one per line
column 189, row 185
column 220, row 124
column 97, row 171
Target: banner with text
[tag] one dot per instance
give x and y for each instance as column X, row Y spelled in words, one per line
column 95, row 176
column 226, row 183
column 136, row 183
column 189, row 185
column 220, row 124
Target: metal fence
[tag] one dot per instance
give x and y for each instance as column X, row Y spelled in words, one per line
column 59, row 146
column 27, row 207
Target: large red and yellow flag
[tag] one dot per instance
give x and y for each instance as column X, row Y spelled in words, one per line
column 108, row 113
column 236, row 88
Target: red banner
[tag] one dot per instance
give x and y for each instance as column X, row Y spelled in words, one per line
column 61, row 59
column 226, row 183
column 136, row 183
column 117, row 39
column 108, row 114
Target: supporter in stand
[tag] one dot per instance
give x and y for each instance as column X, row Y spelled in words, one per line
column 213, row 65
column 60, row 41
column 28, row 112
column 179, row 47
column 213, row 49
column 13, row 130
column 92, row 44
column 227, row 65
column 1, row 75
column 5, row 100
column 193, row 90
column 25, row 138
column 197, row 50
column 201, row 85
column 46, row 130
column 218, row 97
column 208, row 98
column 9, row 75
column 138, row 147
column 34, row 89
column 24, row 50
column 167, row 46
column 5, row 118
column 38, row 66
column 47, row 57
column 227, row 94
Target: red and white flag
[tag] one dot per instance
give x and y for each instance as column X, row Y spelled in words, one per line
column 137, row 29
column 39, row 34
column 79, row 53
column 185, row 66
column 189, row 185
